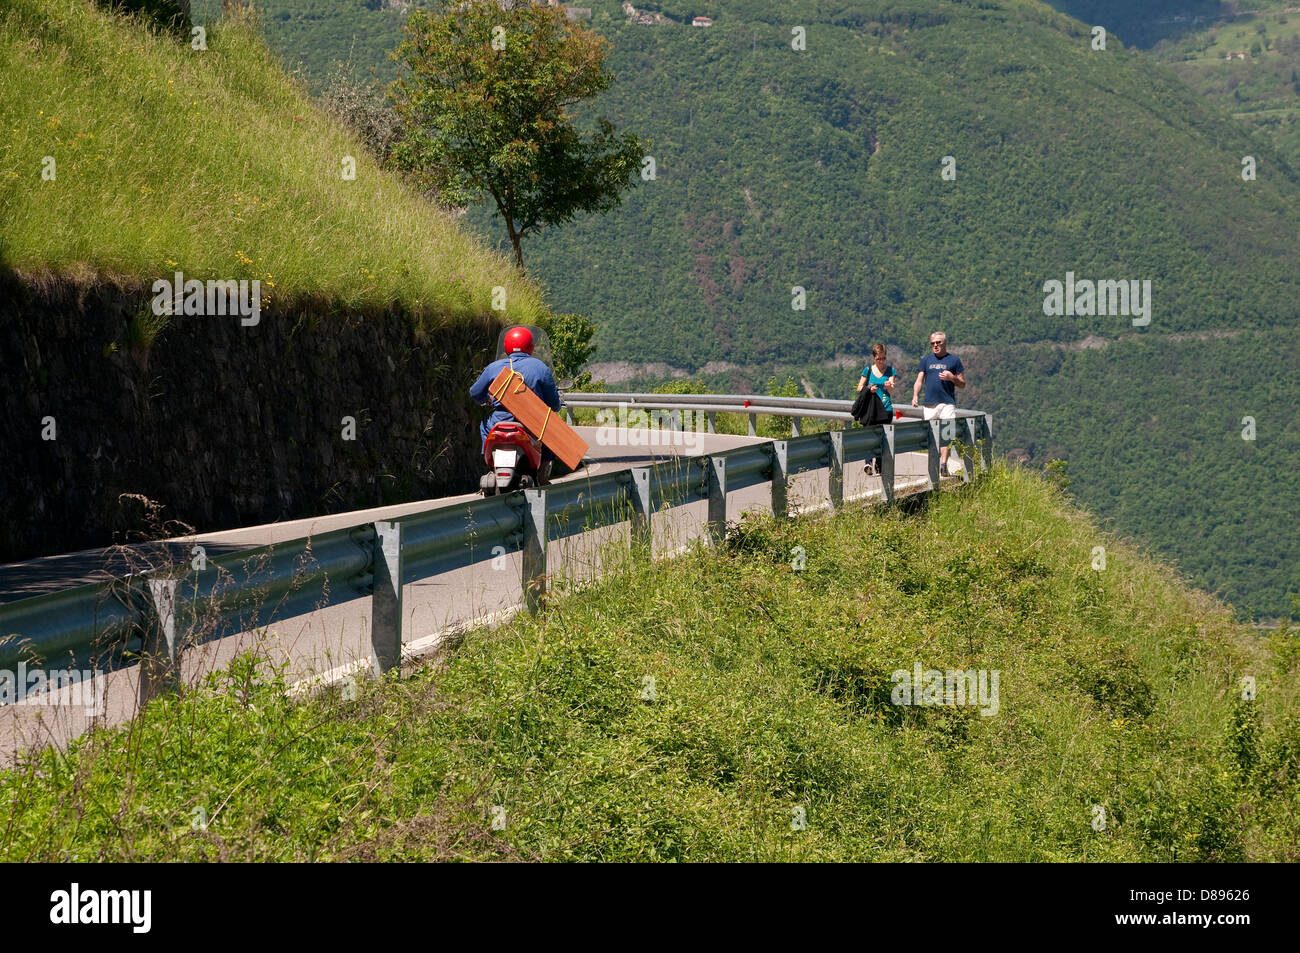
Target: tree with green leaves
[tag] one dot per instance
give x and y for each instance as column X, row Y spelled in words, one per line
column 571, row 347
column 485, row 96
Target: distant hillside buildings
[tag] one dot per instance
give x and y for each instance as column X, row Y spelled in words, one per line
column 654, row 18
column 645, row 17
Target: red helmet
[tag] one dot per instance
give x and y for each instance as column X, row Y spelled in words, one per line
column 519, row 339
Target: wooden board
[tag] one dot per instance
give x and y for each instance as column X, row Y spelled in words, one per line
column 538, row 419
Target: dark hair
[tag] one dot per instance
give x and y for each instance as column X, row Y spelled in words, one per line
column 878, row 350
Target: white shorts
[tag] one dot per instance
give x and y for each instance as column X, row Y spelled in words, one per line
column 940, row 411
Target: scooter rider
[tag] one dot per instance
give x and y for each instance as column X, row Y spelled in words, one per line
column 518, row 345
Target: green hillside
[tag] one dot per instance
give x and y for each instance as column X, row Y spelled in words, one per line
column 1162, row 454
column 213, row 162
column 822, row 169
column 725, row 706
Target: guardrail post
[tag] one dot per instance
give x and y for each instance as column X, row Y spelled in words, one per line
column 968, row 458
column 386, row 615
column 753, row 425
column 780, row 473
column 986, row 448
column 712, row 418
column 642, row 537
column 796, row 429
column 568, row 416
column 717, row 495
column 835, row 479
column 977, row 440
column 887, row 461
column 160, row 663
column 534, row 551
column 932, row 452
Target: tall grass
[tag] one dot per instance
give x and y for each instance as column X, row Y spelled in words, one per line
column 214, row 162
column 699, row 708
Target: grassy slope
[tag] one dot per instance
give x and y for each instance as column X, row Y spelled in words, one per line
column 215, row 162
column 772, row 690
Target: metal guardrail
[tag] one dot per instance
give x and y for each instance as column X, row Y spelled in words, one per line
column 151, row 618
column 750, row 405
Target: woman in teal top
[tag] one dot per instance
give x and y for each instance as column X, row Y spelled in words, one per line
column 881, row 378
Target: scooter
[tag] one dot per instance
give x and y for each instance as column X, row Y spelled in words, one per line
column 512, row 454
column 514, row 458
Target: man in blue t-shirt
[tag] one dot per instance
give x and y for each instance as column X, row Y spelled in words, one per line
column 941, row 373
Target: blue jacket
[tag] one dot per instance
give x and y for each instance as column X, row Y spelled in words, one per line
column 536, row 375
